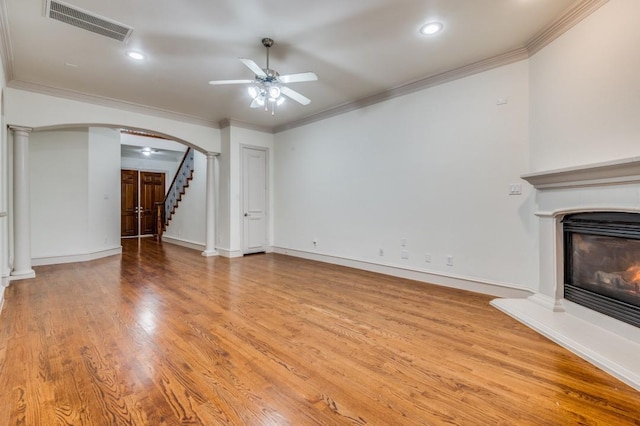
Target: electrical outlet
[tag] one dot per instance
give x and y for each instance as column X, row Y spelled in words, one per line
column 404, row 254
column 427, row 258
column 380, row 252
column 403, row 242
column 315, row 242
column 449, row 260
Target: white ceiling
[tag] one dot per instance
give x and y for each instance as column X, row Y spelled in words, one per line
column 358, row 49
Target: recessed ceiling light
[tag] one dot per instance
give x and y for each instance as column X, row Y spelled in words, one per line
column 431, row 28
column 135, row 55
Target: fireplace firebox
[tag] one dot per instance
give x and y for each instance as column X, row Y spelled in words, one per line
column 602, row 263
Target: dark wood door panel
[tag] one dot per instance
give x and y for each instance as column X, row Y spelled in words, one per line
column 129, row 203
column 152, row 189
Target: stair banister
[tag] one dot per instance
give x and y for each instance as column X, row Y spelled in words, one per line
column 180, row 181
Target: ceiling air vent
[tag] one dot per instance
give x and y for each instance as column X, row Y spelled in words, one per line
column 72, row 15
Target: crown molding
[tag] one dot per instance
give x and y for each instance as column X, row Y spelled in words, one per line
column 414, row 86
column 577, row 12
column 228, row 122
column 6, row 52
column 109, row 102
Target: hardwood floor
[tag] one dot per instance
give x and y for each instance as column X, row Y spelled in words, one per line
column 164, row 336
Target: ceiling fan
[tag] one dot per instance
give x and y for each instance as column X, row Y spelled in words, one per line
column 268, row 87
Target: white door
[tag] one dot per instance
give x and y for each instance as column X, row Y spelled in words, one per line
column 254, row 199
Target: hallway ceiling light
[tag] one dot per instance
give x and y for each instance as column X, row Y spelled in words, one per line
column 431, row 28
column 147, row 151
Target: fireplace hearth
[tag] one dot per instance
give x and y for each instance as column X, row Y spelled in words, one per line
column 602, row 263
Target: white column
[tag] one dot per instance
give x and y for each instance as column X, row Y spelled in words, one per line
column 21, row 205
column 210, row 249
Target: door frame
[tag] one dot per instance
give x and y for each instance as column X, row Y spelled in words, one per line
column 267, row 199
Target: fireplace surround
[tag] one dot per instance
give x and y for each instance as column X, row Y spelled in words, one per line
column 571, row 196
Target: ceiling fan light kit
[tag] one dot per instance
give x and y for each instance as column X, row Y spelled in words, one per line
column 268, row 89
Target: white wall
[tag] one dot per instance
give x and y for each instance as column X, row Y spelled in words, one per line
column 432, row 167
column 104, row 189
column 75, row 194
column 585, row 91
column 188, row 223
column 59, row 174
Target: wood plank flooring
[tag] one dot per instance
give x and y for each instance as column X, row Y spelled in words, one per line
column 164, row 336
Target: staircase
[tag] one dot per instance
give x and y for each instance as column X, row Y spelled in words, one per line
column 180, row 183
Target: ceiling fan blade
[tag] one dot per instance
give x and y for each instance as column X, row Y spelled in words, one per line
column 297, row 78
column 301, row 99
column 218, row 82
column 253, row 67
column 256, row 104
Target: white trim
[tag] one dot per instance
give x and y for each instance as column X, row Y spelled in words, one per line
column 109, row 102
column 432, row 277
column 22, row 275
column 547, row 302
column 6, row 50
column 81, row 257
column 184, row 243
column 609, row 351
column 229, row 253
column 411, row 87
column 210, row 253
column 576, row 13
column 244, row 125
column 623, row 171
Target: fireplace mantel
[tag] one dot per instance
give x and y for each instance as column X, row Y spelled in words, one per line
column 606, row 342
column 611, row 172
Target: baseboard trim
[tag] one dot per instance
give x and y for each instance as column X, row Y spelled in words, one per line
column 81, row 257
column 611, row 352
column 430, row 277
column 183, row 243
column 229, row 253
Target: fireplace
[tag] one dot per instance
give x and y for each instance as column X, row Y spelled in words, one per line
column 602, row 263
column 588, row 220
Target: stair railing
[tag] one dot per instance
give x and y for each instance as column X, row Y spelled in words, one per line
column 180, row 180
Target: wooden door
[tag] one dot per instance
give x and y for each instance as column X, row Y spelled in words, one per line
column 129, row 203
column 151, row 192
column 254, row 199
